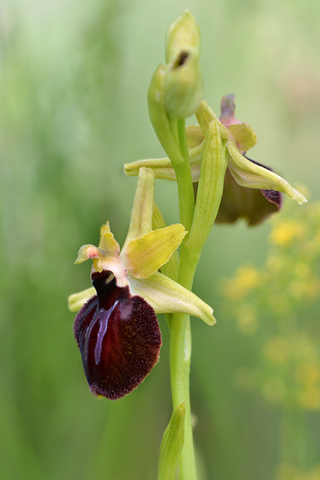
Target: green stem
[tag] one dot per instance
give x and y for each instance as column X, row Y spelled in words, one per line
column 180, row 331
column 180, row 358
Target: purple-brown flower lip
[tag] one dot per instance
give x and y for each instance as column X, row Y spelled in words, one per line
column 118, row 336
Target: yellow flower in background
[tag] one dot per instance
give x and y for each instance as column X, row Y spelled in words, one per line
column 246, row 279
column 285, row 232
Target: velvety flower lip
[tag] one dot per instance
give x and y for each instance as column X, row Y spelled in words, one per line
column 118, row 336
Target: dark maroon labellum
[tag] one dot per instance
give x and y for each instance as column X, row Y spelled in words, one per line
column 118, row 336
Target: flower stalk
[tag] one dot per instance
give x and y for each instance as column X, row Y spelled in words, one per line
column 116, row 329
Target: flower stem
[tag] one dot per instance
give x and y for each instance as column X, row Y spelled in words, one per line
column 180, row 358
column 180, row 331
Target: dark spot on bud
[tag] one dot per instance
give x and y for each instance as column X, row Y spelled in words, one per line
column 119, row 338
column 181, row 59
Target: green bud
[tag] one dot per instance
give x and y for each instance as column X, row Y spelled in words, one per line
column 183, row 86
column 183, row 83
column 183, row 34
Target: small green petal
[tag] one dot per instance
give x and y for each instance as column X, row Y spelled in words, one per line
column 167, row 296
column 248, row 174
column 146, row 254
column 77, row 300
column 243, row 135
column 172, row 443
column 107, row 240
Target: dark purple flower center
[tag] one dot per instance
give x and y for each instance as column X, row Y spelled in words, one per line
column 118, row 336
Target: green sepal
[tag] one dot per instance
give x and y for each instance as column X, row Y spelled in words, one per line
column 251, row 175
column 172, row 444
column 141, row 214
column 167, row 296
column 77, row 300
column 146, row 254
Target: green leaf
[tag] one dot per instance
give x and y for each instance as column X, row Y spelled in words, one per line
column 172, row 443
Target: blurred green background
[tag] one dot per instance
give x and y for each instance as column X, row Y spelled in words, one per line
column 73, row 110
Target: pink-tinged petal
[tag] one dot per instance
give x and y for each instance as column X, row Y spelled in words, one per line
column 119, row 338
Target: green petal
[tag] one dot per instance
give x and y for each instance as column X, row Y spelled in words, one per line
column 172, row 443
column 243, row 135
column 107, row 240
column 146, row 254
column 167, row 296
column 77, row 300
column 248, row 174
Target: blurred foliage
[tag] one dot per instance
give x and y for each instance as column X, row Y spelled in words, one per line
column 73, row 110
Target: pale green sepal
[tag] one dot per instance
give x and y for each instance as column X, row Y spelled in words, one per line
column 171, row 268
column 243, row 135
column 211, row 182
column 146, row 254
column 248, row 174
column 107, row 240
column 141, row 214
column 182, row 34
column 164, row 126
column 171, row 445
column 77, row 300
column 167, row 296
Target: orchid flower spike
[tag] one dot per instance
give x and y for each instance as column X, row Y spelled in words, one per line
column 251, row 190
column 116, row 328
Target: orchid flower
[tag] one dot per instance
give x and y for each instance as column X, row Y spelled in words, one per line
column 116, row 328
column 251, row 190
